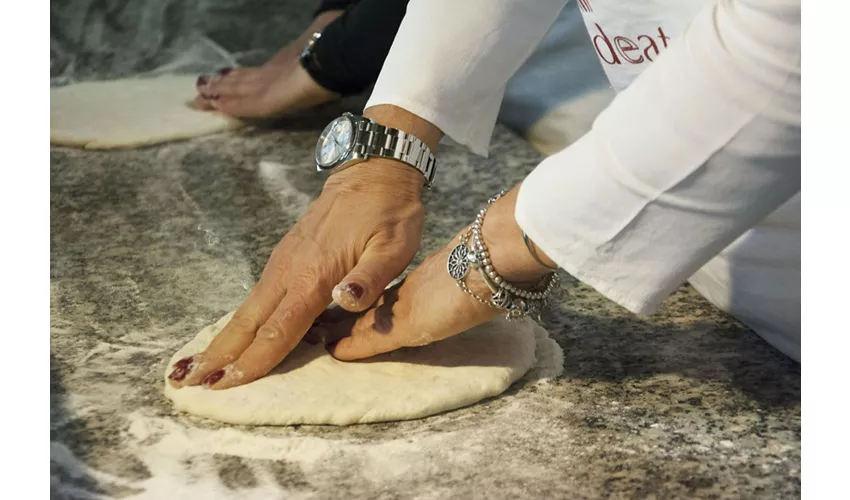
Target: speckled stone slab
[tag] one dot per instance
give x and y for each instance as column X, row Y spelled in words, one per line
column 150, row 245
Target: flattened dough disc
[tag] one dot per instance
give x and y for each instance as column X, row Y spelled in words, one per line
column 311, row 387
column 130, row 112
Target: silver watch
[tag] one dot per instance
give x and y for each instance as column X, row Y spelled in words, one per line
column 351, row 139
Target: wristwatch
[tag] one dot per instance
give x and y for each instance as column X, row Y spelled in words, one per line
column 351, row 139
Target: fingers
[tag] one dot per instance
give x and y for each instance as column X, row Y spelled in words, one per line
column 362, row 338
column 367, row 281
column 225, row 347
column 276, row 338
column 239, row 332
column 202, row 103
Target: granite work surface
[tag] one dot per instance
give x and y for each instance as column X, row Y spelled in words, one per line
column 150, row 245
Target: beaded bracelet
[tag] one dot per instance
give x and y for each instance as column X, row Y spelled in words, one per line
column 518, row 303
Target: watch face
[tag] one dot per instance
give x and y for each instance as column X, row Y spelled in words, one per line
column 335, row 142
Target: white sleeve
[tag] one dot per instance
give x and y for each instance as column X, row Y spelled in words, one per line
column 703, row 145
column 451, row 60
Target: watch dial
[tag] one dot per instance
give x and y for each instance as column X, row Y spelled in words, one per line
column 334, row 141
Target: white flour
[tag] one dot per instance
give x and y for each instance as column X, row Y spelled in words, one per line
column 184, row 459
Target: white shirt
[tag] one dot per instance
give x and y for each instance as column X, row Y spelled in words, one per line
column 700, row 146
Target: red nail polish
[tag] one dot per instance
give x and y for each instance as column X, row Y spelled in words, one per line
column 355, row 290
column 213, row 377
column 178, row 374
column 184, row 363
column 224, row 71
column 214, row 97
column 202, row 80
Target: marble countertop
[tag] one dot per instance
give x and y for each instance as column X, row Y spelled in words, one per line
column 150, row 245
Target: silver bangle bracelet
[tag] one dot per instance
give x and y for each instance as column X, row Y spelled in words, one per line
column 472, row 253
column 533, row 252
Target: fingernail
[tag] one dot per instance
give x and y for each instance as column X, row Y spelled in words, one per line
column 214, row 97
column 178, row 374
column 202, row 80
column 224, row 71
column 354, row 290
column 213, row 377
column 181, row 369
column 183, row 363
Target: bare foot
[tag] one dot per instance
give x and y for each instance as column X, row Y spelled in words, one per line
column 278, row 87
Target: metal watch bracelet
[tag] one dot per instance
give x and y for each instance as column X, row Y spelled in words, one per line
column 385, row 142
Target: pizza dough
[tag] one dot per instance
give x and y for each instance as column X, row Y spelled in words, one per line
column 312, row 387
column 130, row 112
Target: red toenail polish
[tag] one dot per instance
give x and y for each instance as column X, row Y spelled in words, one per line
column 354, row 290
column 213, row 377
column 202, row 80
column 224, row 71
column 184, row 363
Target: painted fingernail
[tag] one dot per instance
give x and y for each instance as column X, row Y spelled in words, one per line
column 354, row 290
column 224, row 71
column 183, row 363
column 213, row 377
column 178, row 374
column 202, row 80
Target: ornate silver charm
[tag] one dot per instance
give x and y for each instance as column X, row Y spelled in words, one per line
column 501, row 299
column 458, row 263
column 471, row 253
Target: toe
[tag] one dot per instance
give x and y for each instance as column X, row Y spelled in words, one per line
column 238, row 82
column 242, row 107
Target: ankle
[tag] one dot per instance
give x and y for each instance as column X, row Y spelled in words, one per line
column 309, row 92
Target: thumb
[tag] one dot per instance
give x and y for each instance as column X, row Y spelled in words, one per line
column 367, row 281
column 364, row 336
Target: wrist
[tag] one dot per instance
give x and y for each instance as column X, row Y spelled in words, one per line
column 401, row 119
column 511, row 258
column 383, row 174
column 310, row 92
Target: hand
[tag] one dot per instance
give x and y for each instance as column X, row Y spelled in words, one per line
column 278, row 87
column 355, row 238
column 428, row 305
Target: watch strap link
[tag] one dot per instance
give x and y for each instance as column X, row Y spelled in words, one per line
column 381, row 141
